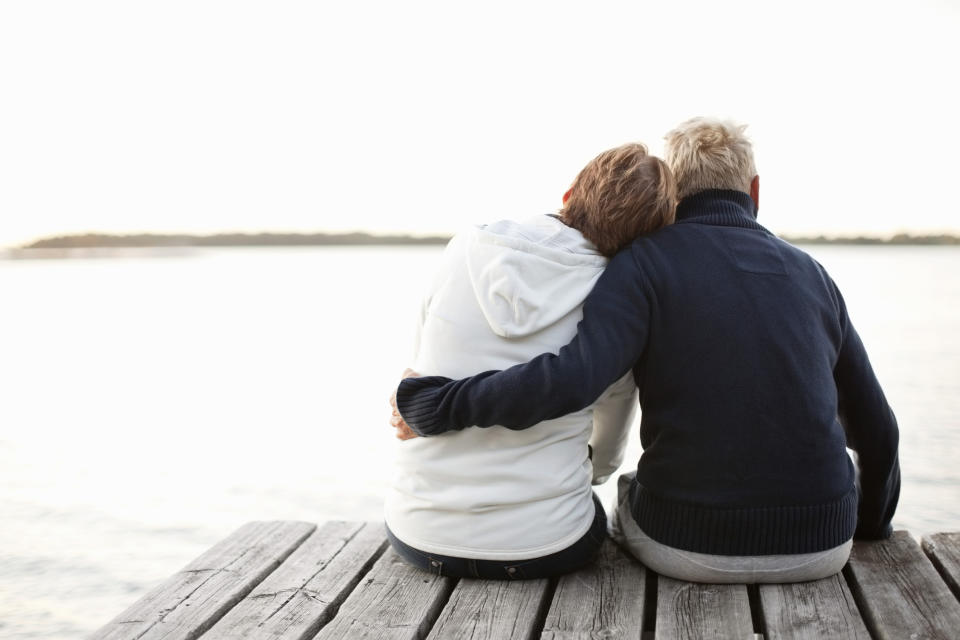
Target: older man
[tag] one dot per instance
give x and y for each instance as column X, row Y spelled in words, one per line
column 752, row 384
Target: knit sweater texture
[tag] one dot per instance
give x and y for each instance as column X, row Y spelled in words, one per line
column 753, row 383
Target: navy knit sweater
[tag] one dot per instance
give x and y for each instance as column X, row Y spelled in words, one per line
column 752, row 383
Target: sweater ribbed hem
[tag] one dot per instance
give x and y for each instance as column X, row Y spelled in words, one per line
column 746, row 531
column 417, row 402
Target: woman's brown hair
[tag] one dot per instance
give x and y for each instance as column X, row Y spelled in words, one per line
column 621, row 194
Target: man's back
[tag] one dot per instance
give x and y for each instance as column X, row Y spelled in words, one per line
column 740, row 429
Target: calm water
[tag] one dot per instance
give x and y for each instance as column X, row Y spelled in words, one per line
column 153, row 403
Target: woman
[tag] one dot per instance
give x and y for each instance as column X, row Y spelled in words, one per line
column 518, row 504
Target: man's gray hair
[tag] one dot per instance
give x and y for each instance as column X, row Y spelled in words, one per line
column 708, row 153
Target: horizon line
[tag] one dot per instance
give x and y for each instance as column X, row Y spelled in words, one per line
column 321, row 238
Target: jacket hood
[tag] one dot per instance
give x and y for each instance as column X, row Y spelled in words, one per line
column 528, row 275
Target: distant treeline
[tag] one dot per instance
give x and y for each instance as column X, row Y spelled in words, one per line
column 899, row 239
column 104, row 240
column 231, row 240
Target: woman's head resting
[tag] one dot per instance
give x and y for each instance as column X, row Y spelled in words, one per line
column 622, row 193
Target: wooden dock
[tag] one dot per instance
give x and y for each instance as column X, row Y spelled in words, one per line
column 341, row 580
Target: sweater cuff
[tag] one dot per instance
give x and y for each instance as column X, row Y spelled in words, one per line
column 418, row 400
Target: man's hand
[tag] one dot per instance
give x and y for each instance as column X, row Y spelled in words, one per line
column 403, row 432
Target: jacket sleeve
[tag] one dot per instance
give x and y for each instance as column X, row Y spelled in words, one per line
column 871, row 430
column 610, row 339
column 612, row 419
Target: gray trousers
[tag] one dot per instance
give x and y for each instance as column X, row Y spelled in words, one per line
column 702, row 567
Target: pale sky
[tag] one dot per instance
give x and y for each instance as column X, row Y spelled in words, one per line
column 207, row 116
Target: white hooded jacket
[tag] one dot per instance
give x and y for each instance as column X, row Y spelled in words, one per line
column 505, row 293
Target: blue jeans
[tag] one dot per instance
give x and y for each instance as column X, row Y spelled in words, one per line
column 580, row 553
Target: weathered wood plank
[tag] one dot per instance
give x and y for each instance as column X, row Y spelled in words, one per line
column 492, row 609
column 811, row 611
column 276, row 580
column 943, row 549
column 899, row 592
column 189, row 602
column 697, row 611
column 603, row 600
column 304, row 592
column 393, row 602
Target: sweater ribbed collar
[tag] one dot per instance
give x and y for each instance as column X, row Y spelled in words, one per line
column 722, row 207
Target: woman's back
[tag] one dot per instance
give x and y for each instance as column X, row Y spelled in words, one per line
column 504, row 294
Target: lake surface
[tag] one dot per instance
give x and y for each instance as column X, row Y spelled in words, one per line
column 153, row 402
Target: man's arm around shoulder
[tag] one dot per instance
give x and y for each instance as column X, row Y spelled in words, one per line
column 610, row 339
